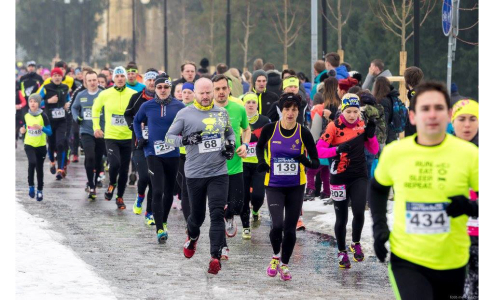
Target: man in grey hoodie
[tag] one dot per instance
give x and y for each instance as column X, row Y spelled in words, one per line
column 375, row 70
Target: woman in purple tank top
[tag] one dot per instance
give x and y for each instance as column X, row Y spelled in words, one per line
column 286, row 144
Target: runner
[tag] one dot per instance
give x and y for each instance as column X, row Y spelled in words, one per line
column 266, row 98
column 93, row 148
column 209, row 139
column 188, row 72
column 238, row 121
column 118, row 137
column 36, row 127
column 56, row 100
column 253, row 181
column 102, row 81
column 132, row 73
column 285, row 142
column 31, row 81
column 345, row 140
column 431, row 173
column 20, row 106
column 291, row 84
column 178, row 92
column 138, row 156
column 162, row 159
column 466, row 125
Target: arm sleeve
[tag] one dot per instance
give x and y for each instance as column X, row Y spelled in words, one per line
column 387, row 111
column 474, row 173
column 76, row 107
column 383, row 170
column 244, row 124
column 273, row 113
column 311, row 148
column 128, row 114
column 229, row 133
column 266, row 133
column 369, row 80
column 42, row 93
column 377, row 197
column 173, row 137
column 23, row 100
column 324, row 150
column 47, row 128
column 315, row 129
column 372, row 145
column 68, row 98
column 97, row 105
column 139, row 117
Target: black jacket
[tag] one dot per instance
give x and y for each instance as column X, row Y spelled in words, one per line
column 62, row 91
column 387, row 104
column 181, row 80
column 30, row 83
column 274, row 113
column 267, row 100
column 274, row 82
column 135, row 103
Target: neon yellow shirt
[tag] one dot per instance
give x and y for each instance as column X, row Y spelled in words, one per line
column 423, row 178
column 115, row 103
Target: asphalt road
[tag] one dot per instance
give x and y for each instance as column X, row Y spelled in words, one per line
column 124, row 251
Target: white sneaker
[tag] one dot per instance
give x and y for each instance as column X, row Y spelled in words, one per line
column 230, row 227
column 224, row 253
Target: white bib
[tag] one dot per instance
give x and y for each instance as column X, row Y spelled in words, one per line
column 145, row 133
column 426, row 218
column 251, row 151
column 210, row 143
column 58, row 113
column 87, row 114
column 118, row 120
column 34, row 132
column 285, row 166
column 338, row 192
column 161, row 148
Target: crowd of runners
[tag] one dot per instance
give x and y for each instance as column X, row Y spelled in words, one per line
column 237, row 141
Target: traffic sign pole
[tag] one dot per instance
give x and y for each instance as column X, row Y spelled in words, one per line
column 450, row 18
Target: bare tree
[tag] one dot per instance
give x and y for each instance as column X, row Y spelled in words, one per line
column 284, row 28
column 248, row 27
column 397, row 21
column 339, row 19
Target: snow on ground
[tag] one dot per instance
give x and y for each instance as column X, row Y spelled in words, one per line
column 324, row 221
column 46, row 269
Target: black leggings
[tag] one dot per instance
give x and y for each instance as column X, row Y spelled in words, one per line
column 93, row 151
column 235, row 195
column 414, row 282
column 139, row 159
column 58, row 141
column 74, row 145
column 356, row 191
column 183, row 187
column 253, row 179
column 283, row 229
column 216, row 190
column 119, row 152
column 35, row 157
column 163, row 172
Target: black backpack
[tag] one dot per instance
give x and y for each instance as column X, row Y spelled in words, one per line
column 399, row 117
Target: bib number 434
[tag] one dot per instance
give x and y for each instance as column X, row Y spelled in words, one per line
column 426, row 218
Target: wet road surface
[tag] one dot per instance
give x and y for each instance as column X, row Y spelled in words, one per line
column 123, row 250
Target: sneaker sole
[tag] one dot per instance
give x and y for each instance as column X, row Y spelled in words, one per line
column 162, row 239
column 345, row 267
column 274, row 275
column 354, row 259
column 287, row 279
column 246, row 237
column 302, row 228
column 214, row 267
column 121, row 207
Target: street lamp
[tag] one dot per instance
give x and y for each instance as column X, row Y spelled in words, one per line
column 165, row 34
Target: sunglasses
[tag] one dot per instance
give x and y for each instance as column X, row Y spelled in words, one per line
column 162, row 87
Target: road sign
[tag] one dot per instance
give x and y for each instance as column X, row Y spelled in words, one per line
column 447, row 16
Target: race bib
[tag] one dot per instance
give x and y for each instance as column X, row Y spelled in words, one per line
column 210, row 143
column 285, row 166
column 338, row 192
column 161, row 148
column 34, row 132
column 58, row 113
column 145, row 133
column 251, row 151
column 118, row 120
column 87, row 114
column 473, row 222
column 426, row 218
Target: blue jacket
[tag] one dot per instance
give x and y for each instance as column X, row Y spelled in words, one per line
column 159, row 119
column 317, row 80
column 341, row 72
column 138, row 87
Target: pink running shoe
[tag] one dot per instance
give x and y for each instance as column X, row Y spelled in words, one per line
column 272, row 269
column 285, row 274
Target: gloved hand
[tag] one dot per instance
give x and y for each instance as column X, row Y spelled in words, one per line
column 262, row 167
column 229, row 151
column 461, row 205
column 79, row 120
column 141, row 143
column 303, row 160
column 381, row 236
column 192, row 139
column 343, row 148
column 370, row 129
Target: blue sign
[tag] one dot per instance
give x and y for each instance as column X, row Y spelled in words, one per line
column 447, row 16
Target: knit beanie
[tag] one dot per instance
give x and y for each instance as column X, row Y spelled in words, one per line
column 256, row 74
column 119, row 71
column 188, row 86
column 56, row 71
column 35, row 97
column 350, row 100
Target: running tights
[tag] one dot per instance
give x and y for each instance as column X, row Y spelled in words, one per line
column 36, row 157
column 140, row 162
column 58, row 142
column 254, row 180
column 93, row 155
column 119, row 152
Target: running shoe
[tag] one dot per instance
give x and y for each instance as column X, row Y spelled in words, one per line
column 92, row 194
column 310, row 195
column 285, row 274
column 138, row 204
column 230, row 227
column 256, row 217
column 132, row 179
column 300, row 224
column 120, row 203
column 75, row 158
column 32, row 193
column 106, row 166
column 214, row 266
column 39, row 195
column 324, row 197
column 190, row 247
column 59, row 175
column 109, row 192
column 358, row 254
column 162, row 235
column 224, row 253
column 179, row 205
column 246, row 234
column 343, row 260
column 64, row 171
column 273, row 267
column 53, row 169
column 174, row 203
column 149, row 218
column 99, row 181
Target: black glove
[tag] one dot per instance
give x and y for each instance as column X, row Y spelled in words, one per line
column 303, row 160
column 461, row 205
column 229, row 151
column 370, row 129
column 79, row 120
column 192, row 139
column 141, row 143
column 381, row 236
column 263, row 167
column 343, row 148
